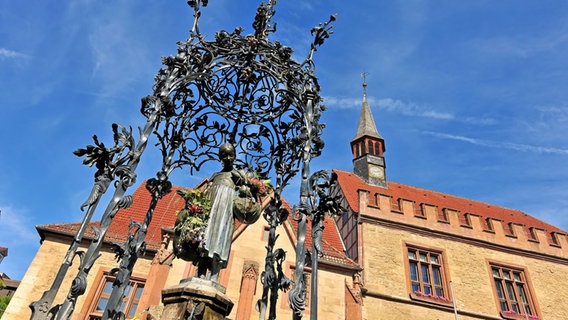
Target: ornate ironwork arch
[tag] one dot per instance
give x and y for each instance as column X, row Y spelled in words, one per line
column 245, row 90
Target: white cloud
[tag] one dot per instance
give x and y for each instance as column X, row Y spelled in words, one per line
column 479, row 121
column 556, row 113
column 547, row 122
column 412, row 109
column 342, row 103
column 20, row 237
column 6, row 53
column 16, row 227
column 499, row 145
column 305, row 6
column 405, row 108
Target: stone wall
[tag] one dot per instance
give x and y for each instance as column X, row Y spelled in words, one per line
column 467, row 266
column 43, row 270
column 248, row 247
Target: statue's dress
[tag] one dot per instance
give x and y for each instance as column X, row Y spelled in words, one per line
column 219, row 231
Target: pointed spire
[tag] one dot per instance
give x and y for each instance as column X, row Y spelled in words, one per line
column 366, row 125
column 368, row 147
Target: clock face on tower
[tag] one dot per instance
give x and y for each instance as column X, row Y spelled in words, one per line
column 376, row 172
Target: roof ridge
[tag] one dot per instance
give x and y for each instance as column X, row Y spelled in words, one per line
column 341, row 253
column 60, row 223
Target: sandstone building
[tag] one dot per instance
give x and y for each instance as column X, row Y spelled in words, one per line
column 398, row 252
column 429, row 255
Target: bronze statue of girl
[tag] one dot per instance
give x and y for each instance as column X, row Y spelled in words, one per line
column 219, row 231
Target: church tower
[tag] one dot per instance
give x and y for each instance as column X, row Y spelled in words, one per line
column 368, row 147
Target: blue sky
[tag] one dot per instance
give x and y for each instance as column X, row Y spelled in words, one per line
column 470, row 96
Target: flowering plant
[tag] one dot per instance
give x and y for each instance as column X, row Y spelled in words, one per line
column 519, row 315
column 195, row 201
column 192, row 220
column 259, row 187
column 433, row 296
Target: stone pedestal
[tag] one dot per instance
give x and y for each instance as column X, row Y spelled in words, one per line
column 196, row 298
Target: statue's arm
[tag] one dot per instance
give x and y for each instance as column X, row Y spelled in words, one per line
column 239, row 177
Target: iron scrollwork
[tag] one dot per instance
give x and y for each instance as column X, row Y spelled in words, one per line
column 110, row 163
column 319, row 203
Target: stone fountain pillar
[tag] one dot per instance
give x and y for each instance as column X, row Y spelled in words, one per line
column 196, row 298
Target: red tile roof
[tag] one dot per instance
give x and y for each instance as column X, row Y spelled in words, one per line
column 350, row 184
column 165, row 216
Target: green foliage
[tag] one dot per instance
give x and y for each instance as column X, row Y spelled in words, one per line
column 197, row 198
column 4, row 304
column 196, row 212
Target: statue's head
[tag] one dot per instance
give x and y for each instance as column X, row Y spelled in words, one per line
column 227, row 154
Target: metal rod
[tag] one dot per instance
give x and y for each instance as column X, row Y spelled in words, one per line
column 314, row 284
column 41, row 308
column 454, row 301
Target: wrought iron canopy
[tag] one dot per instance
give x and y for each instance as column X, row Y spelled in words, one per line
column 241, row 89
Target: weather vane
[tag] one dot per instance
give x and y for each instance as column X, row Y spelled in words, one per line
column 364, row 76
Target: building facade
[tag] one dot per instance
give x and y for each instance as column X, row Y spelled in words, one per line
column 429, row 255
column 159, row 269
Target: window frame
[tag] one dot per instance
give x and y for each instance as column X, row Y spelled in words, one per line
column 512, row 282
column 97, row 292
column 414, row 279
